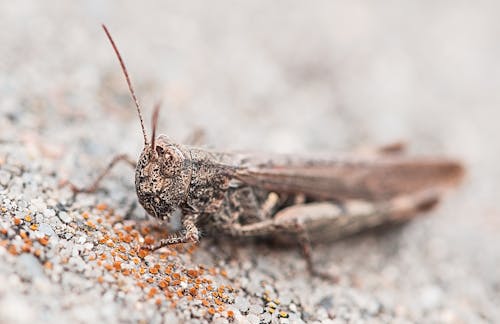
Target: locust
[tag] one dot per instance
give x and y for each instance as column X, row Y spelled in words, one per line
column 308, row 198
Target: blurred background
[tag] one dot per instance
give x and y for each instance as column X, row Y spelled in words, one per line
column 283, row 76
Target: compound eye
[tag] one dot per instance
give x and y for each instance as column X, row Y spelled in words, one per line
column 159, row 150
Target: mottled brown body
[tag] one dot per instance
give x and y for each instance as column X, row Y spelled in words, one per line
column 261, row 195
column 314, row 198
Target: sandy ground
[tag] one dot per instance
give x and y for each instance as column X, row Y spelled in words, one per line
column 281, row 77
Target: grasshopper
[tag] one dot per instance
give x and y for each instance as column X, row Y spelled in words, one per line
column 309, row 198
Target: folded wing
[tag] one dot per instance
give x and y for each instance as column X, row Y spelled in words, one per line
column 373, row 178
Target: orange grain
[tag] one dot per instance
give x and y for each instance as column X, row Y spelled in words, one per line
column 101, row 207
column 26, row 247
column 148, row 240
column 192, row 273
column 143, row 253
column 152, row 292
column 43, row 240
column 12, row 250
column 117, row 265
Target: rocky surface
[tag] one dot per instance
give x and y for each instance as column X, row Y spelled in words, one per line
column 279, row 77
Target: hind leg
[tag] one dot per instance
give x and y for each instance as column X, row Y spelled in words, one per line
column 323, row 221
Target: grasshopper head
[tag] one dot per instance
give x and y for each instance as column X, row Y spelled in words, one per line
column 162, row 177
column 163, row 172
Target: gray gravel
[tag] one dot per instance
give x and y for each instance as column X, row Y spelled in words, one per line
column 282, row 76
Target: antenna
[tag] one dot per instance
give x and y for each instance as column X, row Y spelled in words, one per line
column 125, row 72
column 154, row 123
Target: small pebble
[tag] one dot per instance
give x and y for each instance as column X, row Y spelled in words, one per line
column 285, row 298
column 4, row 177
column 197, row 312
column 45, row 229
column 170, row 318
column 241, row 303
column 253, row 319
column 256, row 309
column 221, row 320
column 266, row 317
column 49, row 212
column 430, row 297
column 254, row 287
column 64, row 217
column 28, row 267
column 38, row 205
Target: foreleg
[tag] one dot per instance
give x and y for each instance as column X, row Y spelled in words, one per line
column 190, row 234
